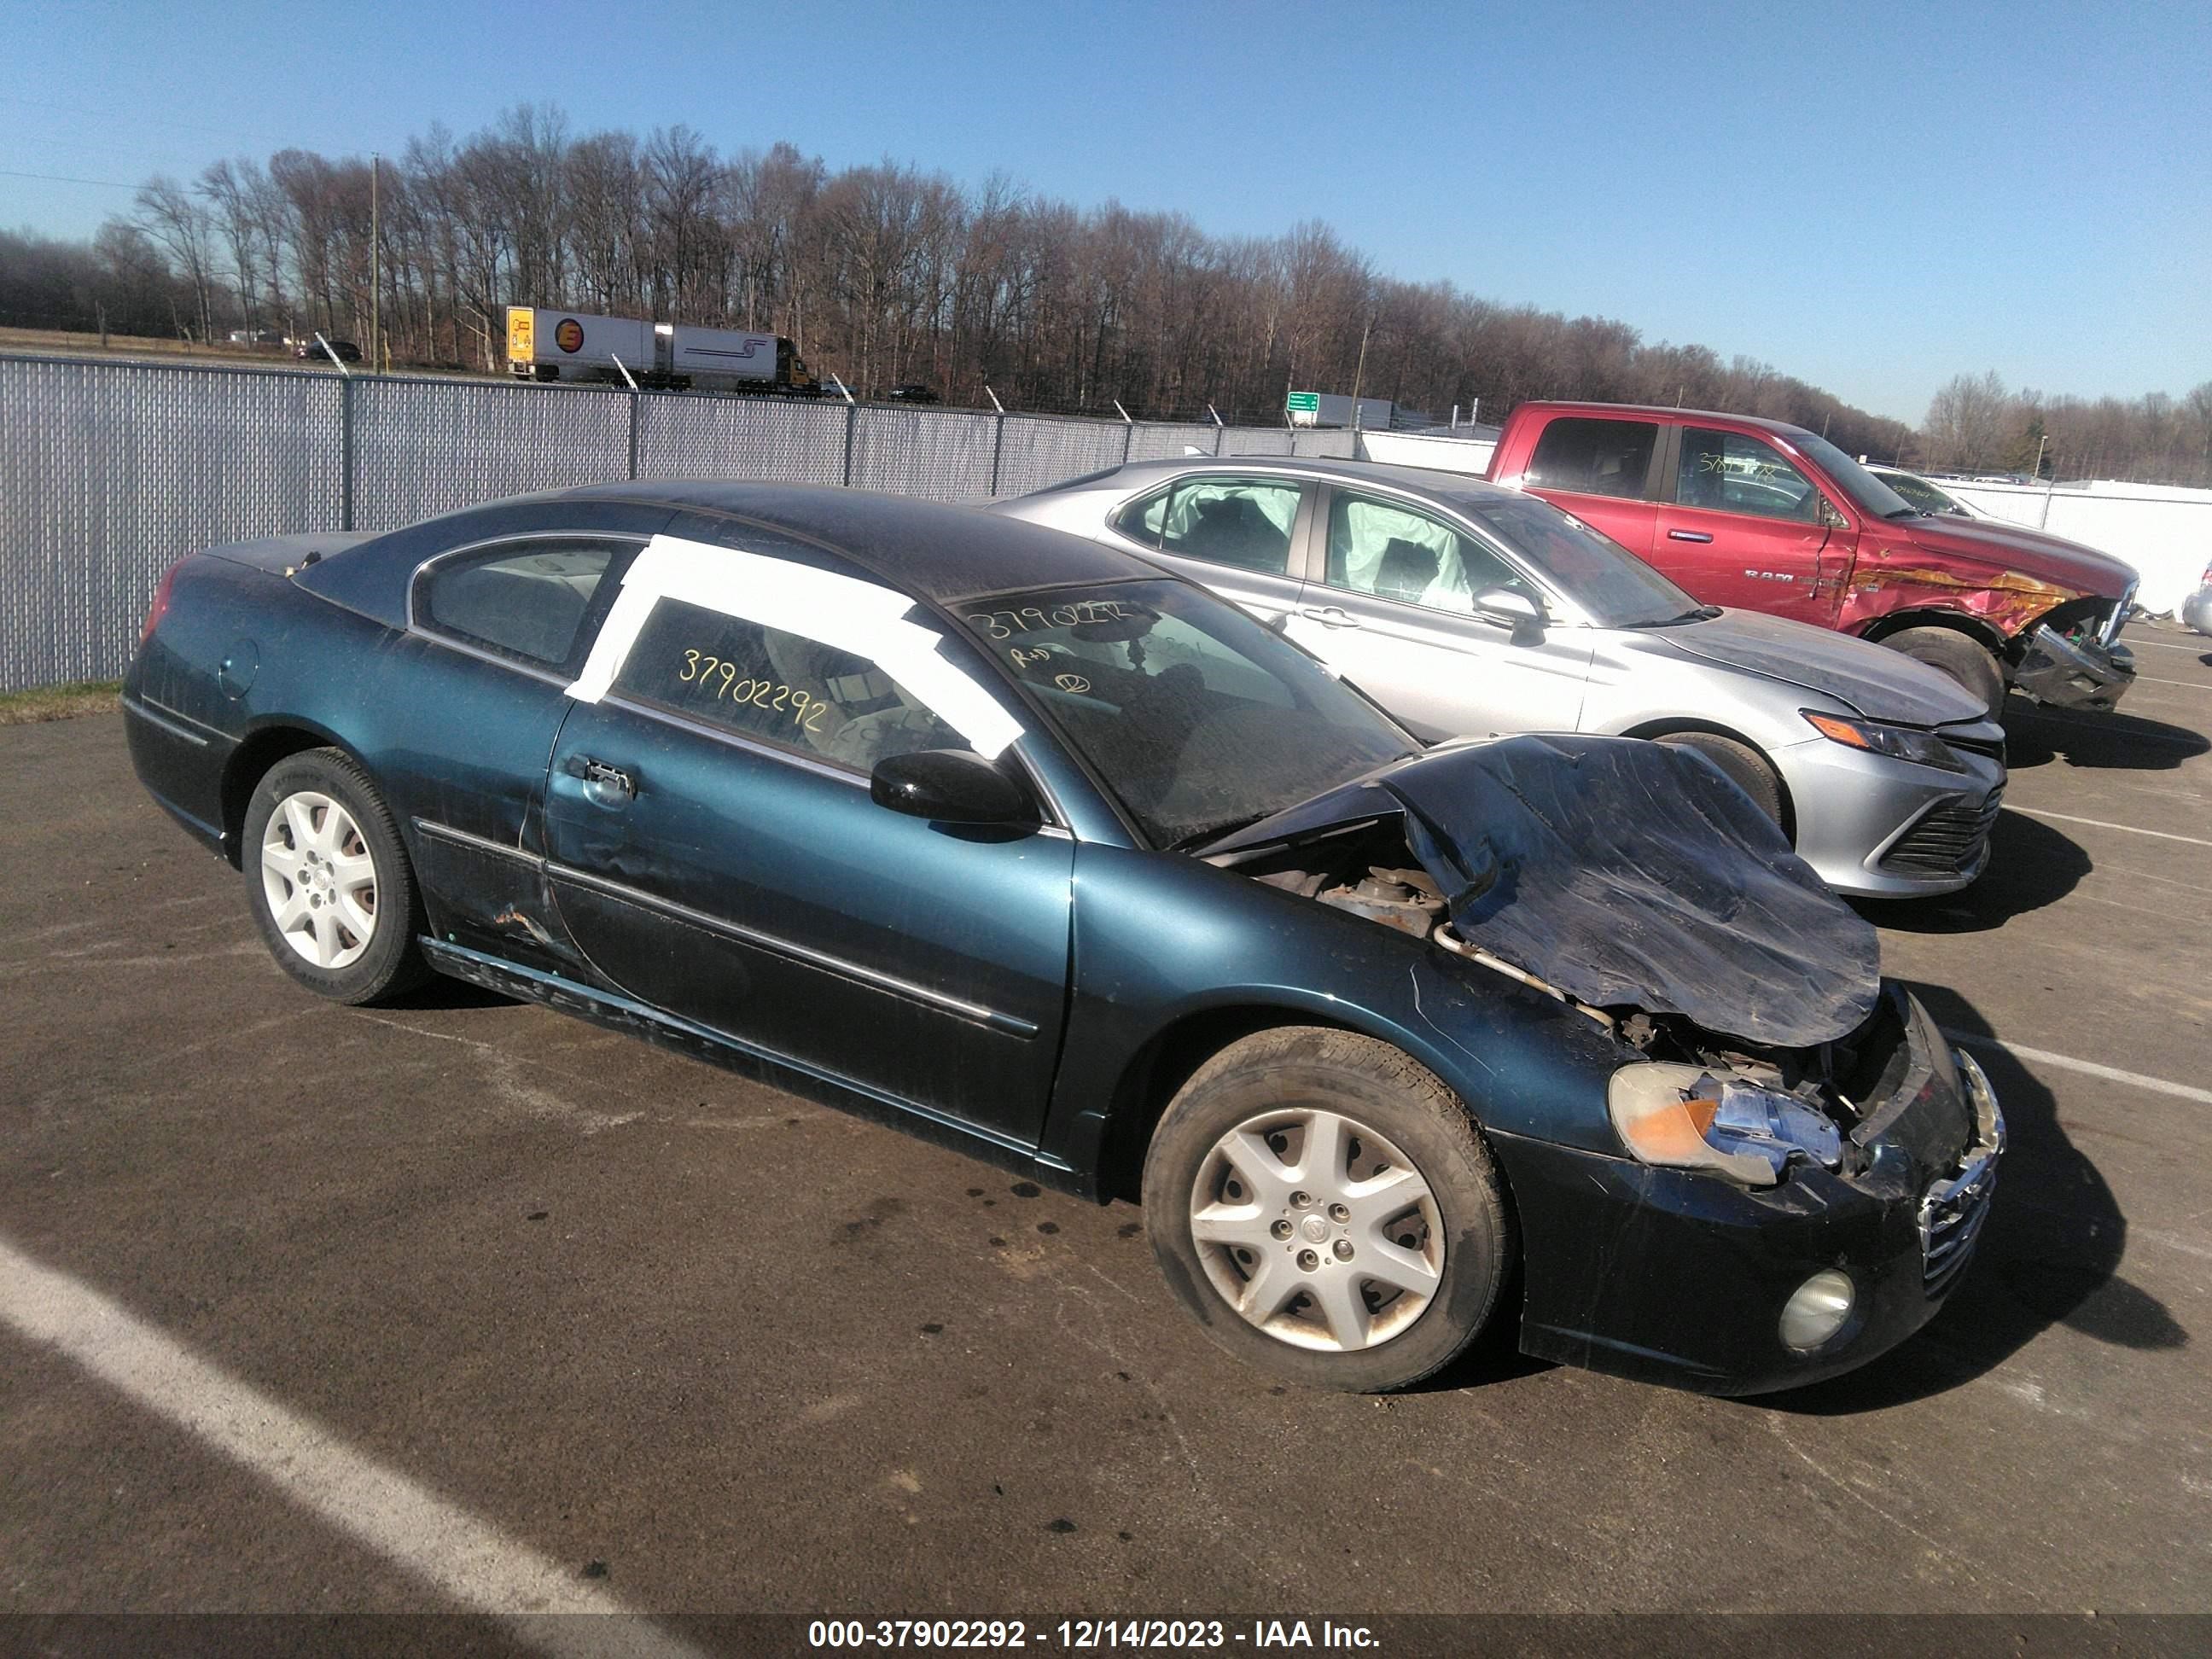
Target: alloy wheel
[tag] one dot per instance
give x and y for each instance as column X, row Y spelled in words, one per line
column 318, row 880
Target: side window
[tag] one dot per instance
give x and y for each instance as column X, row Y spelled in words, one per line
column 778, row 687
column 1593, row 457
column 1140, row 519
column 1240, row 521
column 524, row 602
column 1379, row 547
column 1728, row 472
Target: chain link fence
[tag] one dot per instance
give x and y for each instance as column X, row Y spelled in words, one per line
column 111, row 472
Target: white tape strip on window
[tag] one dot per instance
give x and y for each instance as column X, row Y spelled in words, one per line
column 840, row 612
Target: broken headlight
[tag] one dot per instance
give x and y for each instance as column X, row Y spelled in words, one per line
column 1899, row 741
column 1684, row 1117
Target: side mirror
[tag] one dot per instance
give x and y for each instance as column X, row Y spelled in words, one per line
column 1515, row 611
column 950, row 785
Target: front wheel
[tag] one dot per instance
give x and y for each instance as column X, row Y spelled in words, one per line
column 1742, row 765
column 1962, row 659
column 1326, row 1209
column 329, row 881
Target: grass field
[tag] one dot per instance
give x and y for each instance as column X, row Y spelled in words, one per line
column 139, row 345
column 60, row 702
column 61, row 343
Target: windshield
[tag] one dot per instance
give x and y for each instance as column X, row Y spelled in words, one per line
column 1919, row 492
column 1199, row 719
column 1611, row 584
column 1871, row 494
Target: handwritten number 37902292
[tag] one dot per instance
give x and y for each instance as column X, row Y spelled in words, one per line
column 805, row 708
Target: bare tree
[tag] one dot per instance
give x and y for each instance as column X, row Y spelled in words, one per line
column 180, row 228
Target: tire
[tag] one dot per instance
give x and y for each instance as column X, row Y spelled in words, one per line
column 329, row 881
column 1744, row 766
column 1961, row 658
column 1409, row 1301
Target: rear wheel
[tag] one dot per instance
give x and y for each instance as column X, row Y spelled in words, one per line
column 1961, row 658
column 1326, row 1209
column 1743, row 765
column 330, row 886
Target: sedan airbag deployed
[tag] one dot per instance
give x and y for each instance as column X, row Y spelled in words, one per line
column 1627, row 873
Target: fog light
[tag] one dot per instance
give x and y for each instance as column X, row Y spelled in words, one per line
column 1818, row 1311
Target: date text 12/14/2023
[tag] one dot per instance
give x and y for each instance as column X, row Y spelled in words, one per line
column 1089, row 1635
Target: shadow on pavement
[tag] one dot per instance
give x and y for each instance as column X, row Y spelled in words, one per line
column 2031, row 866
column 440, row 992
column 2037, row 737
column 2050, row 1255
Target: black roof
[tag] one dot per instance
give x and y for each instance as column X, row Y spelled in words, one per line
column 931, row 548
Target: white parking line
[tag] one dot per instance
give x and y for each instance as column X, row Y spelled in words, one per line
column 444, row 1546
column 2086, row 1067
column 2099, row 823
column 2166, row 645
column 2192, row 685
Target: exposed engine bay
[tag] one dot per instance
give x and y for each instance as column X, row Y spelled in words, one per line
column 1746, row 999
column 1617, row 872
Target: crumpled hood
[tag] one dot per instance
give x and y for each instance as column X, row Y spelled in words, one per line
column 2034, row 553
column 1628, row 873
column 1878, row 683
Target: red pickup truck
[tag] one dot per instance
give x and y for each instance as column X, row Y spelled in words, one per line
column 1768, row 517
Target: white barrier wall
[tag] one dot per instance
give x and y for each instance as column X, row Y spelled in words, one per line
column 1444, row 455
column 2164, row 531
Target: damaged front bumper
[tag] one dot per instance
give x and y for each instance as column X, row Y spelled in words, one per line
column 2073, row 673
column 1682, row 1278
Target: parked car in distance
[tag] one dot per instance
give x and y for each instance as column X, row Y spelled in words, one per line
column 1758, row 514
column 346, row 351
column 1033, row 848
column 2197, row 609
column 910, row 393
column 1463, row 607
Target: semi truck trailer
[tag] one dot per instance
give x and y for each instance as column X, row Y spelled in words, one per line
column 544, row 344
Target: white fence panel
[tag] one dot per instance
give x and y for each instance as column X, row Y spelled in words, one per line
column 111, row 472
column 421, row 447
column 943, row 454
column 1036, row 451
column 1169, row 443
column 1443, row 454
column 688, row 436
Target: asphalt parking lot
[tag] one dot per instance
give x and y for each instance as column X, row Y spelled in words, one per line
column 585, row 1320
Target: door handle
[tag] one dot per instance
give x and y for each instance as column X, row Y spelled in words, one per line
column 1689, row 535
column 1329, row 616
column 604, row 785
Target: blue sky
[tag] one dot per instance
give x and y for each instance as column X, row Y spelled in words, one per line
column 1871, row 197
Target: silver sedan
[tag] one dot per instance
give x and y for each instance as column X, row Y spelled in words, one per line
column 1464, row 608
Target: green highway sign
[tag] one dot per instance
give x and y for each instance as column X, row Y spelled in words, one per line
column 1304, row 403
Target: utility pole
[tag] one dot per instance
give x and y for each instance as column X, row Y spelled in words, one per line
column 376, row 272
column 1359, row 370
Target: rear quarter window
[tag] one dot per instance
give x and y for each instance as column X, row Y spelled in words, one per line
column 1594, row 457
column 528, row 603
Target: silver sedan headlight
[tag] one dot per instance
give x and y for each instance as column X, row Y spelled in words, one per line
column 1899, row 741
